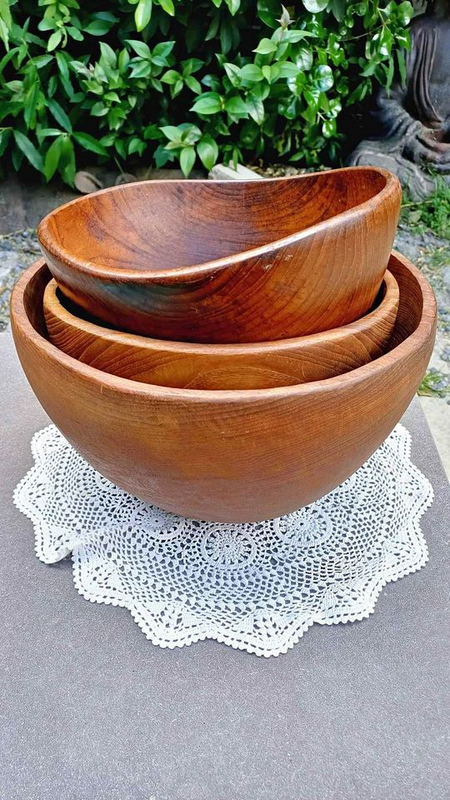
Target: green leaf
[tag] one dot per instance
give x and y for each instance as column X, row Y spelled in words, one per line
column 226, row 36
column 123, row 60
column 54, row 40
column 99, row 109
column 315, row 6
column 170, row 77
column 233, row 6
column 5, row 13
column 142, row 49
column 89, row 143
column 52, row 86
column 172, row 133
column 236, row 106
column 304, row 58
column 191, row 65
column 193, row 84
column 52, row 157
column 265, row 46
column 67, row 161
column 98, row 27
column 269, row 12
column 43, row 133
column 255, row 108
column 7, row 58
column 251, row 72
column 405, row 11
column 296, row 36
column 338, row 9
column 143, row 14
column 168, row 7
column 104, row 15
column 108, row 55
column 329, row 128
column 191, row 133
column 324, row 77
column 141, row 70
column 4, row 34
column 288, row 70
column 60, row 115
column 42, row 61
column 163, row 49
column 136, row 145
column 5, row 136
column 271, row 73
column 75, row 33
column 187, row 159
column 31, row 100
column 208, row 152
column 29, row 150
column 208, row 103
column 232, row 71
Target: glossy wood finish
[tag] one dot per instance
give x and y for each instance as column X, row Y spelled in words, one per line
column 227, row 261
column 227, row 455
column 222, row 366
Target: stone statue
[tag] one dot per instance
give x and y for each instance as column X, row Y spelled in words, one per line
column 415, row 118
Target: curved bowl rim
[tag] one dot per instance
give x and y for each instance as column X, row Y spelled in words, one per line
column 412, row 343
column 51, row 247
column 359, row 326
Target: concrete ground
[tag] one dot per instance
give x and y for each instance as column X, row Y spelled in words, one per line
column 22, row 206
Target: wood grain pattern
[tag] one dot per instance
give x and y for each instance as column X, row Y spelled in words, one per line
column 227, row 261
column 222, row 366
column 227, row 455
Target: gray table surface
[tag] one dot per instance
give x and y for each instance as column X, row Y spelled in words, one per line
column 90, row 710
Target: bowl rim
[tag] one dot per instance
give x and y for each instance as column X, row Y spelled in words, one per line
column 365, row 324
column 53, row 249
column 233, row 397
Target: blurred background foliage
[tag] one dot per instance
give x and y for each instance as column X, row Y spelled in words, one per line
column 188, row 81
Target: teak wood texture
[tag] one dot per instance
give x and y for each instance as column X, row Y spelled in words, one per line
column 227, row 261
column 222, row 366
column 227, row 455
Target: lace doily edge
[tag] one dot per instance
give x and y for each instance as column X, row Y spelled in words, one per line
column 211, row 634
column 230, row 641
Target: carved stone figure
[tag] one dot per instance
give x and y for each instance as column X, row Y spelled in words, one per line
column 415, row 118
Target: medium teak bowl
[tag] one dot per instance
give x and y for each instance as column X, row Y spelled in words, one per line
column 231, row 261
column 227, row 455
column 222, row 366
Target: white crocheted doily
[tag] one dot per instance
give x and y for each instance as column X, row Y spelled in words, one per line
column 258, row 586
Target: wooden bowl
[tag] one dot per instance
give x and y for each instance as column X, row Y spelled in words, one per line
column 222, row 366
column 228, row 456
column 227, row 261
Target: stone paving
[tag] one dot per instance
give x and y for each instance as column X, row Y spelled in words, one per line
column 21, row 208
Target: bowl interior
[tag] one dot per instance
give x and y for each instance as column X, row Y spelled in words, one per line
column 155, row 225
column 409, row 314
column 386, row 293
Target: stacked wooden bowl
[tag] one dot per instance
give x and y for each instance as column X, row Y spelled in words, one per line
column 228, row 351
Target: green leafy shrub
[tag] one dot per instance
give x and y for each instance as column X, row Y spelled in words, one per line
column 432, row 213
column 188, row 80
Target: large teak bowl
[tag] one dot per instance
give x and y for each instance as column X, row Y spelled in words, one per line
column 222, row 366
column 230, row 261
column 227, row 455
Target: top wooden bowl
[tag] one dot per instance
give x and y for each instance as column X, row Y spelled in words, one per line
column 222, row 366
column 231, row 261
column 229, row 456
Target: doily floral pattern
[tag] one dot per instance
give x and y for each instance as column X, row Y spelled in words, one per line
column 256, row 587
